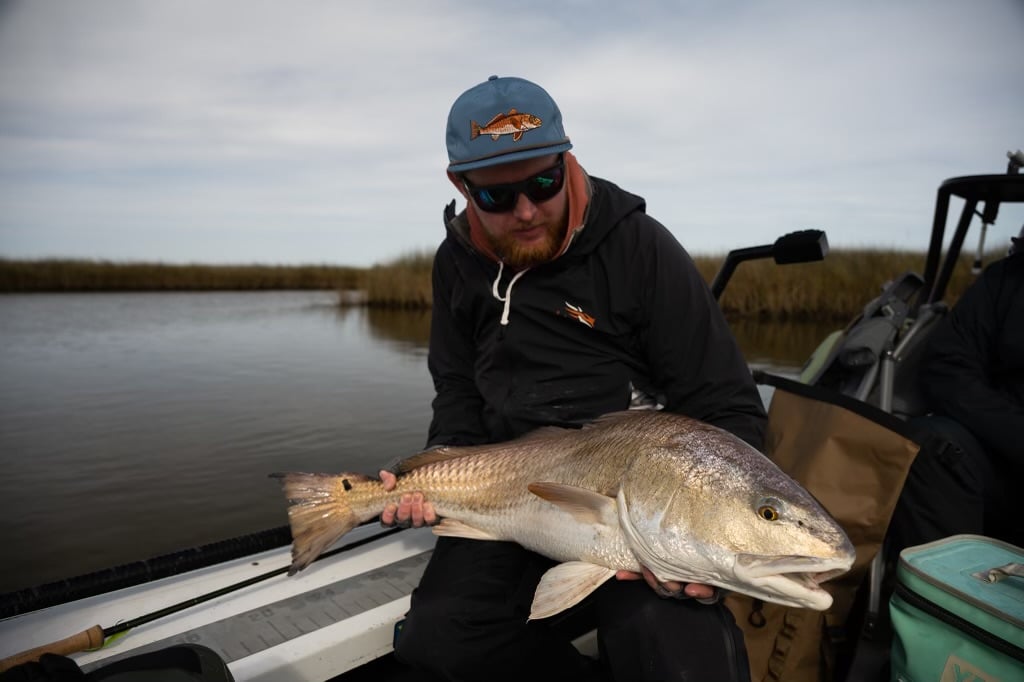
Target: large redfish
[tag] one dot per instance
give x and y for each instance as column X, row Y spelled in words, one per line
column 688, row 500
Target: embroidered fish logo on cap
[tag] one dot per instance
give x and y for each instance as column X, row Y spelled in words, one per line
column 513, row 123
column 576, row 313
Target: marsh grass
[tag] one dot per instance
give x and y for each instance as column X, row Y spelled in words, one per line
column 833, row 290
column 403, row 283
column 92, row 275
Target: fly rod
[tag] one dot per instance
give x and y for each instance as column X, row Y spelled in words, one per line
column 95, row 636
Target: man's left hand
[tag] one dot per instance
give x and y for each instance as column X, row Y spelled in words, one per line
column 411, row 510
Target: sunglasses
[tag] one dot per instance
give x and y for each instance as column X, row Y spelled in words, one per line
column 502, row 198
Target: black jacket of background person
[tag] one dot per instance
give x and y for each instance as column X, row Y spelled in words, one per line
column 623, row 306
column 973, row 366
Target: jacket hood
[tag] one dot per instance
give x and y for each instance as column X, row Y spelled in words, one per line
column 608, row 208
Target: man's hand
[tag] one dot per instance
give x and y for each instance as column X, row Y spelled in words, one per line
column 411, row 510
column 704, row 593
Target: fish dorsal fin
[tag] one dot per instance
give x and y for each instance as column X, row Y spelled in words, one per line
column 457, row 529
column 447, row 452
column 586, row 506
column 512, row 111
column 434, row 455
column 542, row 432
column 614, row 417
column 566, row 585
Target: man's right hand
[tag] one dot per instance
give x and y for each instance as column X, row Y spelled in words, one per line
column 411, row 511
column 705, row 594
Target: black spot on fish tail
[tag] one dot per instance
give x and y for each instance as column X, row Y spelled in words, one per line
column 346, row 484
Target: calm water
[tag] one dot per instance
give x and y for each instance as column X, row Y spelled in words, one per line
column 132, row 425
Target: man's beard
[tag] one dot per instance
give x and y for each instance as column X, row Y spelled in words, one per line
column 519, row 255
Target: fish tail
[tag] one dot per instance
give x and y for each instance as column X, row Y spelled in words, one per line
column 474, row 130
column 319, row 512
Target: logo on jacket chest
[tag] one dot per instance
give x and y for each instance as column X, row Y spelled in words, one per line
column 577, row 313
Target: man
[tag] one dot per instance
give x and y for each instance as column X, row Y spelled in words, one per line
column 557, row 300
column 972, row 376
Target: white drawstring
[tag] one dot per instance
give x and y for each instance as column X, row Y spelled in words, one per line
column 507, row 298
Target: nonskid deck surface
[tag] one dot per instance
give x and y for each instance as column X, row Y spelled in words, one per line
column 251, row 632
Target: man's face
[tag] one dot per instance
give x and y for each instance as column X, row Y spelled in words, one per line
column 530, row 233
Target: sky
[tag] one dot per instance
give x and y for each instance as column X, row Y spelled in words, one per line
column 312, row 131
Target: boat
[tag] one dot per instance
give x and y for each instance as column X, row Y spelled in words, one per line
column 339, row 620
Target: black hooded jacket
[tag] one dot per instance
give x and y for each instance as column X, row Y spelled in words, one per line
column 623, row 308
column 973, row 367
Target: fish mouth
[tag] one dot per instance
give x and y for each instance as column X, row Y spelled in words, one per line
column 792, row 580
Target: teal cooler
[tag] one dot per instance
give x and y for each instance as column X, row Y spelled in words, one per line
column 958, row 612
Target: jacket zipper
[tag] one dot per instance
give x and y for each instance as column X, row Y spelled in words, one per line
column 936, row 611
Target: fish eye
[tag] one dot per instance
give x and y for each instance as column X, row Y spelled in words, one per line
column 768, row 512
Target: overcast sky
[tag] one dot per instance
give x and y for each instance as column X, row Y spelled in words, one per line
column 313, row 132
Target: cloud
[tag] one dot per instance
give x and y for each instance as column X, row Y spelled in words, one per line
column 254, row 131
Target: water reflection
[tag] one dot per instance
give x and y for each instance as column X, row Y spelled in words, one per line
column 408, row 327
column 782, row 344
column 154, row 419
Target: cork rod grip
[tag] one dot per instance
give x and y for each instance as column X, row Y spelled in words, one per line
column 86, row 639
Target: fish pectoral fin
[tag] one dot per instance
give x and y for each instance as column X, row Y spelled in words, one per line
column 566, row 585
column 586, row 506
column 457, row 529
column 517, row 135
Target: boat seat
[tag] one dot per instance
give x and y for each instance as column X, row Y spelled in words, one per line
column 905, row 398
column 849, row 361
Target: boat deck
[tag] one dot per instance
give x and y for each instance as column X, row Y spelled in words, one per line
column 336, row 615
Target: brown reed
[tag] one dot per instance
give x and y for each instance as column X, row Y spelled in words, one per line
column 835, row 289
column 64, row 275
column 403, row 283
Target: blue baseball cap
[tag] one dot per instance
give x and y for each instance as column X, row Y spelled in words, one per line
column 503, row 120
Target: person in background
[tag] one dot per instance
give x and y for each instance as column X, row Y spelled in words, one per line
column 557, row 299
column 972, row 377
